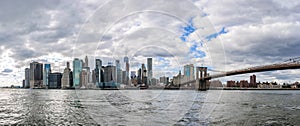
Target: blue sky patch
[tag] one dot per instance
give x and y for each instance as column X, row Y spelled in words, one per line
column 187, row 30
column 215, row 35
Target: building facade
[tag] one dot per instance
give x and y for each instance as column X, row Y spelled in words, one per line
column 150, row 72
column 54, row 80
column 36, row 75
column 66, row 77
column 47, row 71
column 77, row 67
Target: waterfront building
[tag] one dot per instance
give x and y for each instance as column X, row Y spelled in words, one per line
column 36, row 75
column 189, row 73
column 144, row 74
column 154, row 81
column 139, row 77
column 231, row 83
column 27, row 78
column 164, row 80
column 98, row 72
column 124, row 77
column 253, row 81
column 119, row 72
column 47, row 71
column 126, row 61
column 66, row 77
column 109, row 77
column 215, row 83
column 84, row 77
column 77, row 67
column 177, row 79
column 150, row 72
column 54, row 80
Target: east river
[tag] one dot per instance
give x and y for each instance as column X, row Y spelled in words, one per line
column 148, row 107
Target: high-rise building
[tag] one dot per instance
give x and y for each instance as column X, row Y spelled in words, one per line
column 27, row 78
column 84, row 76
column 109, row 77
column 253, row 81
column 77, row 67
column 124, row 77
column 119, row 71
column 189, row 73
column 47, row 71
column 149, row 67
column 86, row 62
column 126, row 61
column 36, row 75
column 54, row 80
column 98, row 72
column 164, row 80
column 139, row 76
column 66, row 77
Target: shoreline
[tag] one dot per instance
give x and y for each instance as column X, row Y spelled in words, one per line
column 156, row 88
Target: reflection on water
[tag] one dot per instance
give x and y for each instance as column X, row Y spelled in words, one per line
column 148, row 107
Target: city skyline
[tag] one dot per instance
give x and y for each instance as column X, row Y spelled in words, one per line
column 49, row 32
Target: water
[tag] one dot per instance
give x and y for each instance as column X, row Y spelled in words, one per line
column 149, row 107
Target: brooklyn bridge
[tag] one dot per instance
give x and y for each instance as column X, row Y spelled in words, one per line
column 202, row 77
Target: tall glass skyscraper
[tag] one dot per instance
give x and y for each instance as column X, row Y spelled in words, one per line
column 47, row 71
column 77, row 68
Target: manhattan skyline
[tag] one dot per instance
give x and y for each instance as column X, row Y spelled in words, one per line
column 238, row 35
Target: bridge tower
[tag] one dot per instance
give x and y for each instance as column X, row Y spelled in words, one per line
column 201, row 73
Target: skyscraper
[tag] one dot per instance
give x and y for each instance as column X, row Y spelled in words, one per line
column 47, row 71
column 66, row 77
column 86, row 62
column 77, row 67
column 126, row 61
column 27, row 78
column 98, row 71
column 84, row 77
column 119, row 71
column 36, row 75
column 144, row 74
column 54, row 80
column 109, row 77
column 189, row 73
column 149, row 67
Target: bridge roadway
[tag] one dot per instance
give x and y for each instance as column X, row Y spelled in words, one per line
column 283, row 66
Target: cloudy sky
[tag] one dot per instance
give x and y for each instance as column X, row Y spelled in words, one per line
column 223, row 35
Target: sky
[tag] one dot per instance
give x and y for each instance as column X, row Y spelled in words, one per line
column 222, row 35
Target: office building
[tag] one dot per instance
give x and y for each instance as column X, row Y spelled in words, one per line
column 84, row 77
column 253, row 81
column 126, row 61
column 189, row 73
column 66, row 77
column 36, row 75
column 119, row 72
column 77, row 67
column 149, row 67
column 98, row 72
column 164, row 80
column 27, row 78
column 54, row 80
column 47, row 71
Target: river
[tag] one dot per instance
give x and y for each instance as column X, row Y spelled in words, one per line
column 149, row 107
